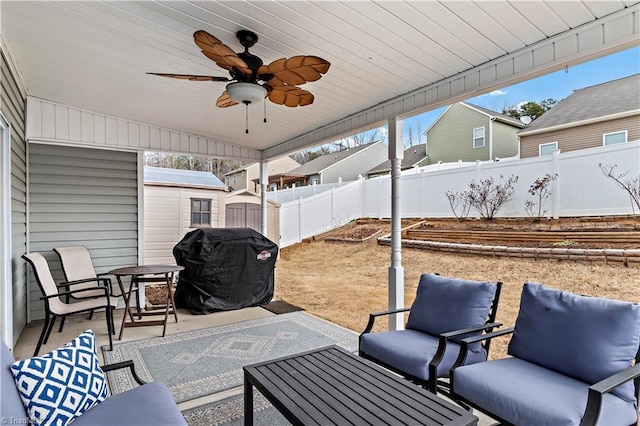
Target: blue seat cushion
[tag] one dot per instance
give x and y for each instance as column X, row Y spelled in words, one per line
column 411, row 351
column 524, row 393
column 151, row 404
column 446, row 304
column 587, row 338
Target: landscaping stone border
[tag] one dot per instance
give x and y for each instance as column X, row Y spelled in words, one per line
column 624, row 256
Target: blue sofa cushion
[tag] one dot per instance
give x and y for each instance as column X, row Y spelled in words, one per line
column 61, row 385
column 411, row 351
column 11, row 406
column 524, row 393
column 587, row 338
column 151, row 404
column 446, row 304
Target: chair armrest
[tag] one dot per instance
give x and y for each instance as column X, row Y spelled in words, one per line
column 442, row 347
column 374, row 315
column 594, row 401
column 124, row 364
column 462, row 356
column 80, row 290
column 489, row 326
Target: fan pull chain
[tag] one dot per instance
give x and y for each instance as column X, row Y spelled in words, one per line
column 265, row 111
column 246, row 117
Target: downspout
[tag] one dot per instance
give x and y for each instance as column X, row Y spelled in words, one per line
column 491, row 120
column 263, row 196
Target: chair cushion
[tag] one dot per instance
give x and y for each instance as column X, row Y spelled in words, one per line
column 446, row 304
column 151, row 404
column 411, row 351
column 57, row 387
column 587, row 338
column 11, row 406
column 524, row 393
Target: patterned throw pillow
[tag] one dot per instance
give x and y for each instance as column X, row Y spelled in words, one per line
column 58, row 387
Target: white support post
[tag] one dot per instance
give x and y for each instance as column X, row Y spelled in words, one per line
column 396, row 271
column 264, row 178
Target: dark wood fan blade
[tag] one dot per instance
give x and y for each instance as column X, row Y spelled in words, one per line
column 295, row 70
column 290, row 96
column 218, row 52
column 225, row 101
column 191, row 77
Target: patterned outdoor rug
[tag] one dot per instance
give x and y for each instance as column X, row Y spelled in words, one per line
column 230, row 412
column 204, row 362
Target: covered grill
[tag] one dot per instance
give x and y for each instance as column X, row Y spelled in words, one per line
column 225, row 269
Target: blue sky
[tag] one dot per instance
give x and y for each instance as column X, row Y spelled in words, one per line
column 557, row 85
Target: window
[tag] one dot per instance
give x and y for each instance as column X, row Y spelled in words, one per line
column 547, row 148
column 234, row 179
column 478, row 137
column 200, row 212
column 614, row 138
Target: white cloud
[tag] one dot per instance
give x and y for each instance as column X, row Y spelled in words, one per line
column 498, row 93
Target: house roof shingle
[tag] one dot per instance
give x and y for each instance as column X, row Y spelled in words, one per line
column 613, row 97
column 412, row 156
column 319, row 164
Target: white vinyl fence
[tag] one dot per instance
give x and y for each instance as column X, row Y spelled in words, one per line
column 581, row 189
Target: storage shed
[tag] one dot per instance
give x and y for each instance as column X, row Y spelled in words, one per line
column 243, row 211
column 176, row 202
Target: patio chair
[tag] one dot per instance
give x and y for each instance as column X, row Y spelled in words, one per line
column 53, row 305
column 444, row 311
column 79, row 273
column 571, row 363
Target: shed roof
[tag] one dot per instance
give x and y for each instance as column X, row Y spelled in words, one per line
column 592, row 102
column 160, row 175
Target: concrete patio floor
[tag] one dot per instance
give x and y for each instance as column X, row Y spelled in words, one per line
column 76, row 324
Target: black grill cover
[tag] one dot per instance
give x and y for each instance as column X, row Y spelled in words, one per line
column 224, row 269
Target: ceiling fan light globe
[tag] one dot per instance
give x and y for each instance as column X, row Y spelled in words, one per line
column 246, row 92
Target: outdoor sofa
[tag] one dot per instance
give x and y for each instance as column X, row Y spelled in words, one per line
column 148, row 404
column 572, row 363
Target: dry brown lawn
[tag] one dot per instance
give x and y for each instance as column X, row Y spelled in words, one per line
column 344, row 282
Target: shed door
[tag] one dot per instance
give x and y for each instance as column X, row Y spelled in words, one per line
column 243, row 215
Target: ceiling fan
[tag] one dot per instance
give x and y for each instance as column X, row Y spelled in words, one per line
column 250, row 80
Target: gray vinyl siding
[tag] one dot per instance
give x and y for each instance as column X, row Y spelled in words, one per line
column 80, row 196
column 357, row 164
column 580, row 137
column 451, row 137
column 505, row 140
column 12, row 105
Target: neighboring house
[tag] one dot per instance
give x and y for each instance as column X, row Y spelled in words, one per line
column 343, row 165
column 468, row 132
column 176, row 202
column 600, row 115
column 243, row 210
column 244, row 177
column 415, row 156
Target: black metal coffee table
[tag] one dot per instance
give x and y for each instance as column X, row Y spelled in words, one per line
column 330, row 386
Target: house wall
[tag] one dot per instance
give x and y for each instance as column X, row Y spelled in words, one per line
column 505, row 140
column 81, row 196
column 451, row 137
column 354, row 165
column 580, row 137
column 12, row 106
column 167, row 218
